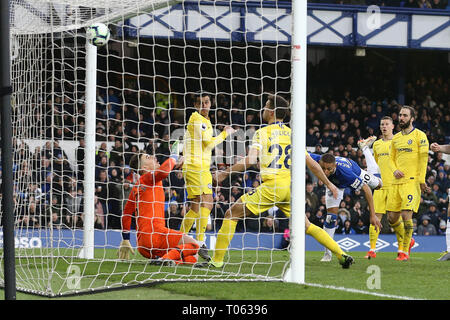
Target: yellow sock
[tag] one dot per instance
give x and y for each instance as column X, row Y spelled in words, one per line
column 399, row 229
column 324, row 239
column 224, row 237
column 188, row 221
column 373, row 237
column 203, row 222
column 408, row 234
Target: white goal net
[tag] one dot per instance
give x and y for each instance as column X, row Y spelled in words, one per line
column 161, row 54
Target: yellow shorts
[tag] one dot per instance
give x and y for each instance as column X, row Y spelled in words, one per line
column 197, row 182
column 380, row 199
column 405, row 196
column 270, row 193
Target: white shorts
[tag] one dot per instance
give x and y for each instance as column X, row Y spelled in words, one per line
column 368, row 178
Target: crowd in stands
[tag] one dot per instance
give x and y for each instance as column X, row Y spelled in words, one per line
column 423, row 4
column 336, row 126
column 49, row 187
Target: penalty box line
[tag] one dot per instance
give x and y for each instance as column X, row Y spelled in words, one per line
column 382, row 295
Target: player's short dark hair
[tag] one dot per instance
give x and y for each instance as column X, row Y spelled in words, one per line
column 205, row 94
column 280, row 105
column 412, row 111
column 388, row 118
column 328, row 158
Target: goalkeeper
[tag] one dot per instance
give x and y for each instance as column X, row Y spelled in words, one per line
column 146, row 200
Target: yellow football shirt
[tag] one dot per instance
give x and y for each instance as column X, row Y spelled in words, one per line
column 409, row 154
column 274, row 145
column 199, row 143
column 381, row 150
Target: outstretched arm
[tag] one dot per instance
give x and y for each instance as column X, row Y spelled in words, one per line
column 150, row 178
column 318, row 172
column 210, row 142
column 242, row 165
column 373, row 217
column 440, row 148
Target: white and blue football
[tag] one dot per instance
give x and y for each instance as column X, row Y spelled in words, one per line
column 98, row 34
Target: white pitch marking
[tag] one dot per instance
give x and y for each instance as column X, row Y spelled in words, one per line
column 361, row 291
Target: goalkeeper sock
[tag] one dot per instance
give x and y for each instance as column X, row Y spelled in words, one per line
column 399, row 232
column 373, row 237
column 408, row 234
column 188, row 221
column 324, row 239
column 224, row 237
column 203, row 223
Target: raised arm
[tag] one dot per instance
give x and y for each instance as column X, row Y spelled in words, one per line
column 208, row 141
column 161, row 173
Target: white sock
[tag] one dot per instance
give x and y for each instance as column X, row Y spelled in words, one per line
column 330, row 231
column 447, row 235
column 372, row 166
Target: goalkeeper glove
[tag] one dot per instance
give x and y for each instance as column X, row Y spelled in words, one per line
column 175, row 150
column 125, row 249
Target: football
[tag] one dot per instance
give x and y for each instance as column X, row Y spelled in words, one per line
column 98, row 34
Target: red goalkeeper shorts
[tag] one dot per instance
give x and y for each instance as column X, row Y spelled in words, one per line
column 158, row 243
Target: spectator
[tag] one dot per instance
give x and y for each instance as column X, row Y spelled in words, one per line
column 79, row 157
column 173, row 216
column 347, row 229
column 312, row 199
column 343, row 215
column 99, row 221
column 442, row 227
column 357, row 213
column 361, row 228
column 426, row 228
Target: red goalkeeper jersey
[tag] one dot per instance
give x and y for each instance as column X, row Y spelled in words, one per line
column 147, row 196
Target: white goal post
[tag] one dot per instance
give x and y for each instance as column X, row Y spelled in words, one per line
column 80, row 112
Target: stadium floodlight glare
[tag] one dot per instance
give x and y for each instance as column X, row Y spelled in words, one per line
column 139, row 89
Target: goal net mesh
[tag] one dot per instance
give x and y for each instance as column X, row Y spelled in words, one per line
column 160, row 56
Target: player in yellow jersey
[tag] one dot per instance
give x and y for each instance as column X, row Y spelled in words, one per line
column 445, row 256
column 408, row 162
column 379, row 165
column 272, row 146
column 197, row 149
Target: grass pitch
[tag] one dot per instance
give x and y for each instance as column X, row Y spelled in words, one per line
column 382, row 278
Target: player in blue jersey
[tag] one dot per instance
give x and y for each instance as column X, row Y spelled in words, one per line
column 344, row 173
